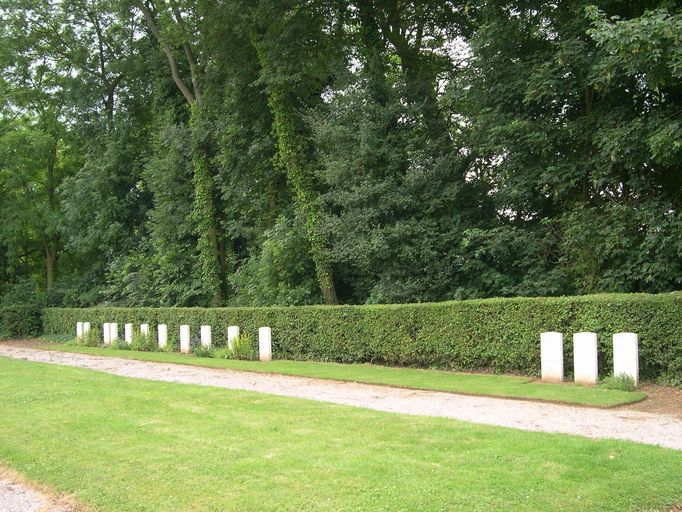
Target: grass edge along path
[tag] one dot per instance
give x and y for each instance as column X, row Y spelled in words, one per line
column 503, row 386
column 122, row 444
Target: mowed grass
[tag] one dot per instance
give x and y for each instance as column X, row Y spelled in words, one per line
column 120, row 444
column 437, row 380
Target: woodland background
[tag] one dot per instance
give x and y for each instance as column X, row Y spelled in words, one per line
column 268, row 152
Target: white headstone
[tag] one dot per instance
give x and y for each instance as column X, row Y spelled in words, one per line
column 184, row 339
column 128, row 333
column 162, row 335
column 86, row 328
column 585, row 366
column 205, row 331
column 79, row 330
column 106, row 333
column 265, row 343
column 144, row 330
column 232, row 333
column 552, row 356
column 626, row 355
column 113, row 333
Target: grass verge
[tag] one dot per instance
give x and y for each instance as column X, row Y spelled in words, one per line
column 119, row 444
column 434, row 380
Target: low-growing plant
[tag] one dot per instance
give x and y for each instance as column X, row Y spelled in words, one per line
column 621, row 382
column 202, row 351
column 121, row 344
column 143, row 342
column 92, row 338
column 242, row 347
column 222, row 353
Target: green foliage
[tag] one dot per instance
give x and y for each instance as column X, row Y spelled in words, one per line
column 282, row 274
column 122, row 344
column 622, row 382
column 243, row 348
column 422, row 152
column 92, row 338
column 20, row 321
column 143, row 342
column 500, row 335
column 202, row 351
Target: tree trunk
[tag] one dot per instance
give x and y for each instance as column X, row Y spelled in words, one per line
column 51, row 241
column 292, row 149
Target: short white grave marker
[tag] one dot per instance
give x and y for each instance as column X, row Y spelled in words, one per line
column 205, row 331
column 106, row 333
column 232, row 333
column 552, row 356
column 162, row 335
column 113, row 333
column 79, row 330
column 585, row 366
column 265, row 343
column 128, row 333
column 626, row 355
column 144, row 330
column 184, row 339
column 86, row 328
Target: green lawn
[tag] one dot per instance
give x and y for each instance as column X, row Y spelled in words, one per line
column 122, row 444
column 473, row 384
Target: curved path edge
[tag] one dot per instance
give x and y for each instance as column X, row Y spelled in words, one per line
column 641, row 427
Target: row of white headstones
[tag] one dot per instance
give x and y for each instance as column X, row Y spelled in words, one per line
column 585, row 361
column 110, row 335
column 585, row 364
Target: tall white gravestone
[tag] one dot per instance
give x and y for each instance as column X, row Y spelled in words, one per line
column 265, row 343
column 552, row 356
column 205, row 332
column 128, row 333
column 86, row 328
column 232, row 333
column 626, row 355
column 184, row 339
column 585, row 366
column 106, row 333
column 162, row 335
column 144, row 330
column 79, row 330
column 113, row 333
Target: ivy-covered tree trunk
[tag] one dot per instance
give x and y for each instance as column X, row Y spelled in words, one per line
column 293, row 154
column 204, row 214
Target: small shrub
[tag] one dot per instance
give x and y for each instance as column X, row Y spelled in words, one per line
column 621, row 382
column 242, row 347
column 142, row 342
column 121, row 344
column 92, row 338
column 201, row 351
column 222, row 353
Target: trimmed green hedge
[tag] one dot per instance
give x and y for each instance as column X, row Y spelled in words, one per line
column 20, row 321
column 499, row 335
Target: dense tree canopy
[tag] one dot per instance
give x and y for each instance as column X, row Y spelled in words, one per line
column 234, row 152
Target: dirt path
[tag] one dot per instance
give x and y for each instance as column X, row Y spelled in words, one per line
column 658, row 429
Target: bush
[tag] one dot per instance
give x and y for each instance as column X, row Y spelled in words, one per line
column 242, row 347
column 143, row 342
column 92, row 338
column 21, row 321
column 201, row 351
column 620, row 382
column 122, row 344
column 499, row 335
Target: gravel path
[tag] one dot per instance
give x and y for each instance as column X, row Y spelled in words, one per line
column 20, row 497
column 656, row 429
